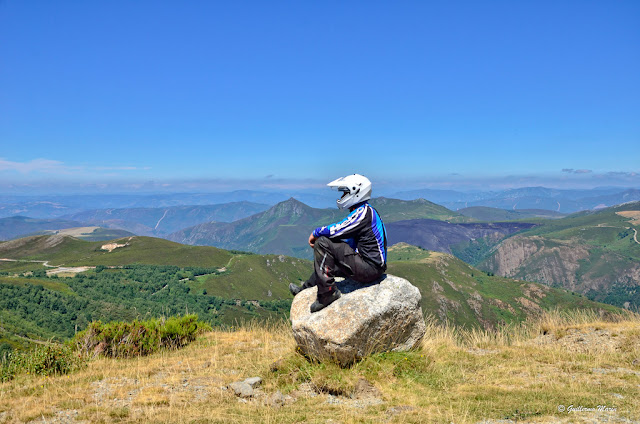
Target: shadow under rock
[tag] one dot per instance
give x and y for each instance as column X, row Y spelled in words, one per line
column 347, row 285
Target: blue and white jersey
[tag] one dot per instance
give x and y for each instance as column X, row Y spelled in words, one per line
column 363, row 230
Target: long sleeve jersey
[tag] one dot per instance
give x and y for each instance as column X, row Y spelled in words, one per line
column 364, row 231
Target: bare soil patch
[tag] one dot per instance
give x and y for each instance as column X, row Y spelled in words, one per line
column 634, row 215
column 69, row 271
column 112, row 246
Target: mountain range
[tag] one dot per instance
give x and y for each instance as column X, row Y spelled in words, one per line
column 285, row 228
column 163, row 221
column 564, row 201
column 54, row 206
column 282, row 229
column 160, row 222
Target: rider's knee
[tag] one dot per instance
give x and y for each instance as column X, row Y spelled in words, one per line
column 322, row 242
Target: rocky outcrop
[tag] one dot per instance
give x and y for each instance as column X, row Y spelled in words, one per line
column 378, row 317
column 568, row 263
column 512, row 253
column 536, row 259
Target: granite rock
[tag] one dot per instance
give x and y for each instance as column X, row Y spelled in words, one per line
column 381, row 316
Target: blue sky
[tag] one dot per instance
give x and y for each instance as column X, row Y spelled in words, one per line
column 443, row 94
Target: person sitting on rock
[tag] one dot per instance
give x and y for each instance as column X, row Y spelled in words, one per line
column 355, row 247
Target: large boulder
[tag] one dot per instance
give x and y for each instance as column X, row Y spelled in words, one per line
column 368, row 318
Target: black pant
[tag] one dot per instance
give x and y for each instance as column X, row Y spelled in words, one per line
column 338, row 259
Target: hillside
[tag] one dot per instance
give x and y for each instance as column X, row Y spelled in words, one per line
column 255, row 277
column 444, row 236
column 392, row 210
column 452, row 290
column 87, row 233
column 457, row 293
column 17, row 226
column 70, row 251
column 589, row 252
column 285, row 228
column 562, row 369
column 51, row 285
column 43, row 305
column 162, row 221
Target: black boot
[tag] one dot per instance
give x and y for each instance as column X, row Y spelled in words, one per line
column 295, row 289
column 325, row 300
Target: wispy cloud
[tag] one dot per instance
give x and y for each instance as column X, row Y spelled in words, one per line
column 55, row 176
column 577, row 171
column 122, row 168
column 35, row 165
column 621, row 174
column 55, row 167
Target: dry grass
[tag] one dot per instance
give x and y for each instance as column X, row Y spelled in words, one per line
column 520, row 373
column 634, row 215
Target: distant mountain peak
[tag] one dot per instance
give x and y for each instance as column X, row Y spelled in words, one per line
column 290, row 206
column 423, row 201
column 292, row 202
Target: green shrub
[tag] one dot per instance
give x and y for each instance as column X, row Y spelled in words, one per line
column 49, row 359
column 5, row 349
column 138, row 338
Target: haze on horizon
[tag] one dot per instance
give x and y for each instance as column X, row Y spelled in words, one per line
column 213, row 96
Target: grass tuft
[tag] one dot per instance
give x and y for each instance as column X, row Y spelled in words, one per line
column 44, row 360
column 138, row 338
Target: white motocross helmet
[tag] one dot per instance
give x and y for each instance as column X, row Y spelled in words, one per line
column 355, row 189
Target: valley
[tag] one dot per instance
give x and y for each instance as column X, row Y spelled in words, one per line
column 149, row 277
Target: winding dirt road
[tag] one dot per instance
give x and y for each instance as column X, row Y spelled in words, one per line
column 158, row 223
